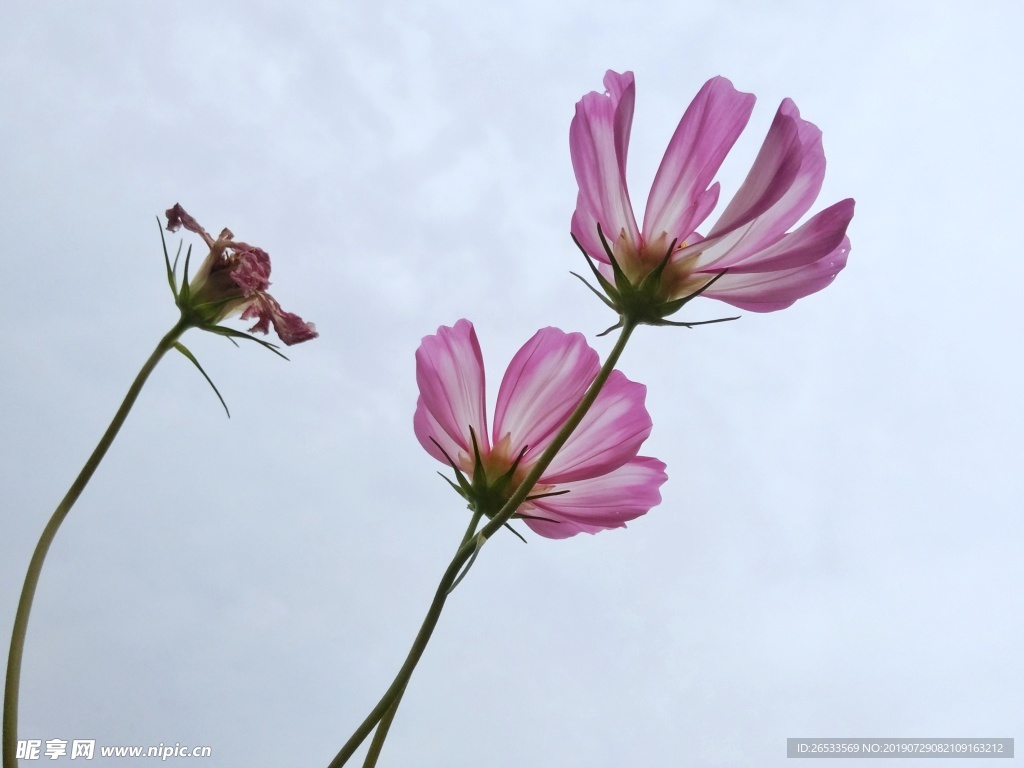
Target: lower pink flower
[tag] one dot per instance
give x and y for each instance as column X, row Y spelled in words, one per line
column 596, row 480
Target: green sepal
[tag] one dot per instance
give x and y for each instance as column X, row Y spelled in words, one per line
column 201, row 315
column 537, row 517
column 621, row 281
column 479, row 474
column 597, row 293
column 610, row 328
column 185, row 292
column 232, row 334
column 184, row 350
column 546, row 495
column 458, row 490
column 606, row 286
column 167, row 262
column 464, row 489
column 501, row 485
column 672, row 307
column 676, row 324
column 518, row 535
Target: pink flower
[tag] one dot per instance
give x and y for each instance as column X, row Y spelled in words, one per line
column 234, row 278
column 596, row 480
column 765, row 266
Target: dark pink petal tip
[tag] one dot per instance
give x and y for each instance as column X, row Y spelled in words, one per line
column 177, row 217
column 290, row 328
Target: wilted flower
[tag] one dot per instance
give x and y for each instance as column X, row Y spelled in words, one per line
column 234, row 278
column 596, row 480
column 759, row 266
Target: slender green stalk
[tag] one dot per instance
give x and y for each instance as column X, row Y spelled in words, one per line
column 10, row 721
column 384, row 725
column 394, row 693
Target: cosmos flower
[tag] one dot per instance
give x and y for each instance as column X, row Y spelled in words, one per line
column 596, row 480
column 233, row 279
column 761, row 266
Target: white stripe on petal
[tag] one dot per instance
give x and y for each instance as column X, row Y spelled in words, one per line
column 610, row 434
column 543, row 384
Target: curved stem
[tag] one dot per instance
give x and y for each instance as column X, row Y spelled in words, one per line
column 377, row 743
column 469, row 546
column 35, row 567
column 379, row 735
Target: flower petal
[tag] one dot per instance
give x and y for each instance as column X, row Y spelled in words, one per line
column 599, row 503
column 814, row 240
column 610, row 434
column 428, row 430
column 251, row 272
column 584, row 228
column 598, row 143
column 781, row 186
column 543, row 384
column 682, row 195
column 290, row 328
column 769, row 291
column 450, row 375
column 177, row 217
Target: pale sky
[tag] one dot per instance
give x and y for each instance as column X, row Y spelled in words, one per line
column 838, row 550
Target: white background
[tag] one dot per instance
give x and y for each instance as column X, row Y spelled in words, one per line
column 838, row 552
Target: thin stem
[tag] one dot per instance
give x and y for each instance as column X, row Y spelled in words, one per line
column 471, row 528
column 394, row 692
column 379, row 735
column 35, row 567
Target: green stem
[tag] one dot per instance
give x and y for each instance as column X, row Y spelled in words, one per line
column 379, row 735
column 469, row 546
column 35, row 567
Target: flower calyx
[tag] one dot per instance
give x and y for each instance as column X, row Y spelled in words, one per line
column 485, row 493
column 641, row 301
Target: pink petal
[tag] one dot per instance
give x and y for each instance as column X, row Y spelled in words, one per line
column 781, row 186
column 815, row 239
column 610, row 434
column 584, row 228
column 682, row 195
column 428, row 431
column 450, row 375
column 177, row 217
column 251, row 273
column 770, row 291
column 543, row 384
column 598, row 143
column 599, row 503
column 290, row 328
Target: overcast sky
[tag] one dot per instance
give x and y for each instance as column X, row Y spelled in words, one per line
column 838, row 551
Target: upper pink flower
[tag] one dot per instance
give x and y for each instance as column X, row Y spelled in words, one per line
column 600, row 481
column 235, row 277
column 768, row 267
